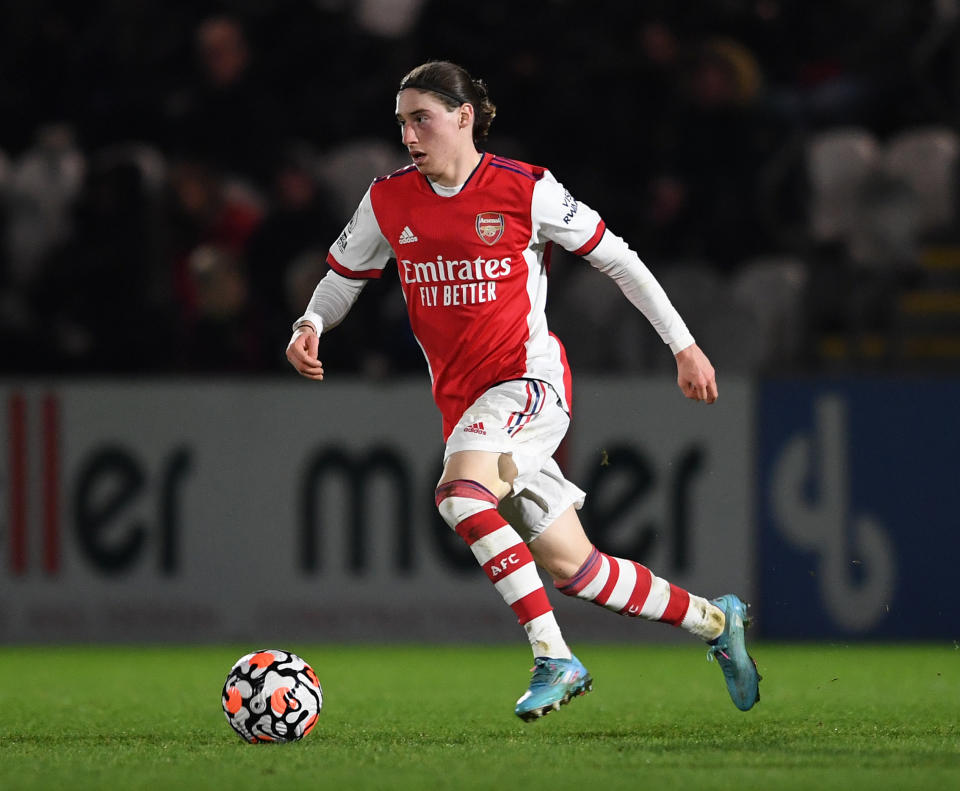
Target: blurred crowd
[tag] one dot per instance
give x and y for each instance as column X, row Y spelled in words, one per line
column 172, row 174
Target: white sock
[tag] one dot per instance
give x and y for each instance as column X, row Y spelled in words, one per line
column 545, row 637
column 703, row 619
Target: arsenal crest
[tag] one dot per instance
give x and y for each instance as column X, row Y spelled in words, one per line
column 490, row 226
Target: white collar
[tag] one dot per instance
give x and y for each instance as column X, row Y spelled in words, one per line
column 446, row 192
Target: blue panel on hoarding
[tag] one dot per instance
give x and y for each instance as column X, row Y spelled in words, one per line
column 859, row 508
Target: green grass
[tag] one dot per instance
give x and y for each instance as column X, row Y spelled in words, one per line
column 432, row 718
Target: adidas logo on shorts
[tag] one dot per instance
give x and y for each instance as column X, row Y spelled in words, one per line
column 476, row 428
column 407, row 236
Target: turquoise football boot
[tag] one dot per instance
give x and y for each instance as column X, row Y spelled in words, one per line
column 554, row 683
column 730, row 651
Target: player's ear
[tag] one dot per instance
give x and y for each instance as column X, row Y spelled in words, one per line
column 466, row 115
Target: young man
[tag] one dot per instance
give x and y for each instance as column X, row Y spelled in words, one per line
column 471, row 234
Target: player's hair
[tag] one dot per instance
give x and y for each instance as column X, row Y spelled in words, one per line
column 454, row 86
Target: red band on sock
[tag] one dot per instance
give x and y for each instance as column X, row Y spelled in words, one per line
column 507, row 562
column 481, row 524
column 604, row 596
column 677, row 607
column 640, row 590
column 531, row 606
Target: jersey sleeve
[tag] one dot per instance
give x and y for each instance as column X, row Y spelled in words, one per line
column 559, row 217
column 361, row 251
column 360, row 254
column 614, row 257
column 331, row 301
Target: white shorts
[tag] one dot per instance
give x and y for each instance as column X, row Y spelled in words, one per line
column 524, row 418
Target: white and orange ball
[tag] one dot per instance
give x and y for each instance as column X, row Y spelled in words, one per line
column 272, row 696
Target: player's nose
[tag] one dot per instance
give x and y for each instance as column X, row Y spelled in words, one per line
column 408, row 135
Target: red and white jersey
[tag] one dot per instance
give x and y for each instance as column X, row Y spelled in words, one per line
column 473, row 269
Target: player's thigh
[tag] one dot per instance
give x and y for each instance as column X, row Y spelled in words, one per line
column 563, row 547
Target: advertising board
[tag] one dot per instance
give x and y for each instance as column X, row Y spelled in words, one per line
column 263, row 510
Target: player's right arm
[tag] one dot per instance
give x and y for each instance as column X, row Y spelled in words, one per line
column 359, row 254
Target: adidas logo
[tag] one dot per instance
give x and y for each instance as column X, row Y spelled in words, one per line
column 476, row 428
column 407, row 236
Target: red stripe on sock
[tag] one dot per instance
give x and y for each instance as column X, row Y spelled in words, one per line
column 531, row 606
column 640, row 590
column 507, row 562
column 604, row 595
column 677, row 607
column 475, row 527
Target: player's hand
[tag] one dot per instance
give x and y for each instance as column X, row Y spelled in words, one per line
column 302, row 352
column 695, row 375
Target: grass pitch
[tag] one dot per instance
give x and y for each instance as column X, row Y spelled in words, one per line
column 419, row 717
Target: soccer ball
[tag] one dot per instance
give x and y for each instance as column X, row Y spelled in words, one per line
column 272, row 696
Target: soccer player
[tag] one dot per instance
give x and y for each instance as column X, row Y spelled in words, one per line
column 471, row 233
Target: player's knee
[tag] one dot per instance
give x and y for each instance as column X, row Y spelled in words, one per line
column 565, row 561
column 449, row 510
column 561, row 571
column 461, row 499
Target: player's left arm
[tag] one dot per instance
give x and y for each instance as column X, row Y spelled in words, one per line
column 695, row 375
column 576, row 227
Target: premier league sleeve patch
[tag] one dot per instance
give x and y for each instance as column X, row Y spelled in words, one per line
column 490, row 226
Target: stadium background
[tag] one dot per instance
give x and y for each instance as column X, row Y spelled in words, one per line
column 172, row 173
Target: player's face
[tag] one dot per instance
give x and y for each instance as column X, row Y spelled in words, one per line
column 432, row 132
